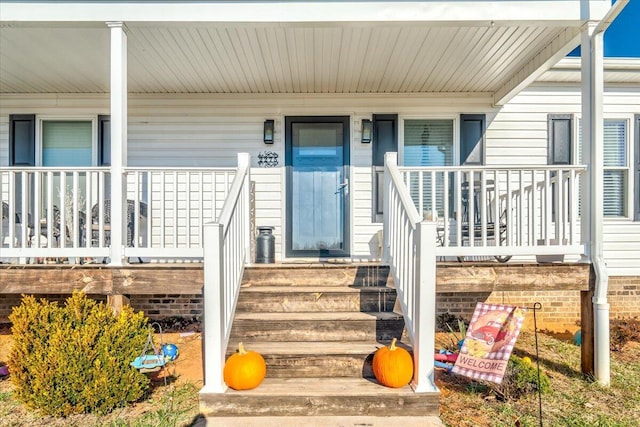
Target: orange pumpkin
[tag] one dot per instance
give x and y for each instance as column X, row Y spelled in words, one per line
column 393, row 366
column 244, row 370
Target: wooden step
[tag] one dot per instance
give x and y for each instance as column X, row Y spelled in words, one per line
column 262, row 299
column 323, row 421
column 316, row 326
column 320, row 397
column 316, row 275
column 317, row 359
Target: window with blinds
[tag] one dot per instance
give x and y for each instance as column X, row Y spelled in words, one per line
column 428, row 142
column 66, row 143
column 616, row 166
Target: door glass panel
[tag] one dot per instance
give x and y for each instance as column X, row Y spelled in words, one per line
column 317, row 194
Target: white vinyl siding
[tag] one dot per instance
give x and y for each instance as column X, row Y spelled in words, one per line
column 209, row 131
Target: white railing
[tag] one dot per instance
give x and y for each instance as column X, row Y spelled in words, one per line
column 509, row 210
column 46, row 212
column 168, row 207
column 226, row 251
column 409, row 243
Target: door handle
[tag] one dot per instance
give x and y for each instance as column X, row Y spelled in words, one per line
column 342, row 186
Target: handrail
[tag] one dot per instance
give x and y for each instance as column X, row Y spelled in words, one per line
column 226, row 251
column 492, row 168
column 409, row 244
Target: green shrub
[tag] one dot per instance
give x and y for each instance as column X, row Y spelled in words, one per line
column 521, row 379
column 75, row 359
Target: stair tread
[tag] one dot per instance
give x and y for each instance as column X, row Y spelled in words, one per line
column 318, row 316
column 316, row 348
column 313, row 289
column 322, row 387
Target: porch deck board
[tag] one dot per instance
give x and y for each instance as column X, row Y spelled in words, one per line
column 144, row 279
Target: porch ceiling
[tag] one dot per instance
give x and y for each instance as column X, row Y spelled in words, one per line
column 279, row 58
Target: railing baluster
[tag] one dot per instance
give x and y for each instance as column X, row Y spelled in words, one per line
column 573, row 203
column 458, row 193
column 559, row 208
column 445, row 208
column 509, row 211
column 483, row 207
column 547, row 210
column 421, row 205
column 534, row 209
column 497, row 214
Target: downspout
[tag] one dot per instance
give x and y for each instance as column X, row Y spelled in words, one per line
column 593, row 61
column 592, row 102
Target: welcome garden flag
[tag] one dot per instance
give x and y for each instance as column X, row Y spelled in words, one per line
column 490, row 338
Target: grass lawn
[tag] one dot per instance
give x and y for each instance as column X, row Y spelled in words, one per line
column 572, row 401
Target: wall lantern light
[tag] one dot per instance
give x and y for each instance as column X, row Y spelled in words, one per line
column 268, row 131
column 367, row 130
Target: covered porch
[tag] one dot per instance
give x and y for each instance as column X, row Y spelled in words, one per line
column 247, row 63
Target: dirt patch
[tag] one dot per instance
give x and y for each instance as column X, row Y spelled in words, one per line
column 187, row 368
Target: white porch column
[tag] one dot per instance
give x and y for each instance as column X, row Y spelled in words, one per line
column 593, row 188
column 118, row 140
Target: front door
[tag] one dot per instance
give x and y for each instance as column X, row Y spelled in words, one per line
column 317, row 160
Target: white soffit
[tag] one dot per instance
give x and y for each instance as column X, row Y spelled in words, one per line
column 616, row 70
column 275, row 58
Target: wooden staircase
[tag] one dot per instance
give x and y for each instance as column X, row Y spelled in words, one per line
column 318, row 326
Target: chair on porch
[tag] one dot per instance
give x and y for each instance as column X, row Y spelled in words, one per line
column 131, row 232
column 6, row 224
column 471, row 227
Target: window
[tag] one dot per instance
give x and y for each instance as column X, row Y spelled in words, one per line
column 66, row 143
column 62, row 142
column 428, row 142
column 559, row 138
column 616, row 168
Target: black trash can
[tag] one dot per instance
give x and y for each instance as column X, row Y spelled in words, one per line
column 265, row 246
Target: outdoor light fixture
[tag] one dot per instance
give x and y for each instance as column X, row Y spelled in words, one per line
column 367, row 130
column 268, row 131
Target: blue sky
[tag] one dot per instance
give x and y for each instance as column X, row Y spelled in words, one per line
column 622, row 38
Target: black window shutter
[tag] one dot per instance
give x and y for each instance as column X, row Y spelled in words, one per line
column 559, row 138
column 104, row 140
column 385, row 136
column 472, row 136
column 22, row 140
column 636, row 168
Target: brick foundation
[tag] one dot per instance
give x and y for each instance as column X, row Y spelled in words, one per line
column 560, row 309
column 160, row 306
